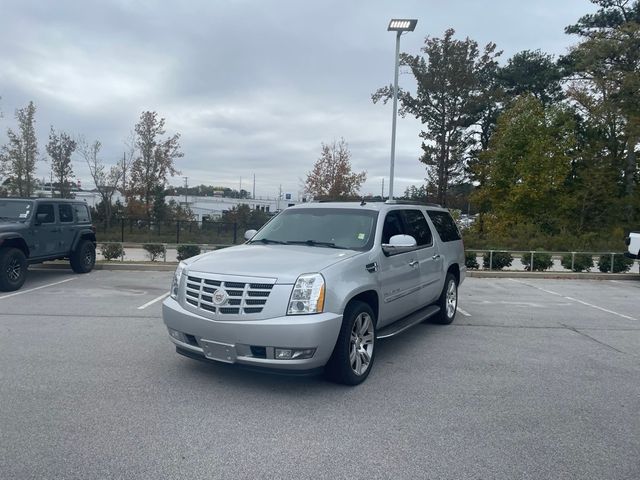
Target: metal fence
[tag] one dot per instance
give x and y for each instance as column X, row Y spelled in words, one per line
column 606, row 262
column 132, row 230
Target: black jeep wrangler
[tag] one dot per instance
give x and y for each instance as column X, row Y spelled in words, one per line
column 39, row 229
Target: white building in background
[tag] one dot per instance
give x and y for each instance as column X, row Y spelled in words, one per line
column 213, row 207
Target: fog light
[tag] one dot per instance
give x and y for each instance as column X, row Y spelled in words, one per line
column 177, row 335
column 294, row 353
column 283, row 353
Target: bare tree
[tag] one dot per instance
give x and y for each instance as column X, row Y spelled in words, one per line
column 331, row 176
column 105, row 180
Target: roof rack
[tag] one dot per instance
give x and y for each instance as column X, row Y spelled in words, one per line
column 412, row 202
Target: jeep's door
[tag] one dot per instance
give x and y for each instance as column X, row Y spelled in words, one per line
column 398, row 274
column 46, row 231
column 67, row 226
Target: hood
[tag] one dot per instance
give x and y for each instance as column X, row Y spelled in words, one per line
column 10, row 225
column 282, row 262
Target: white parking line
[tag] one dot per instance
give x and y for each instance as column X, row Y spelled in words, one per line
column 157, row 299
column 22, row 292
column 582, row 302
column 463, row 312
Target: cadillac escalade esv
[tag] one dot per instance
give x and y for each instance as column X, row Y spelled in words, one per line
column 317, row 287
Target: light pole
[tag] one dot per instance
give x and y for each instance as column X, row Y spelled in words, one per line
column 398, row 26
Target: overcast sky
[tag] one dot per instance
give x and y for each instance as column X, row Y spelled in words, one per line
column 253, row 87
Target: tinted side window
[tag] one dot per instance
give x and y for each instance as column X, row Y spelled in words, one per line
column 392, row 225
column 82, row 213
column 65, row 213
column 46, row 209
column 445, row 226
column 418, row 227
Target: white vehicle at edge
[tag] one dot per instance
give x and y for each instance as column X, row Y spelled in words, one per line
column 317, row 286
column 633, row 245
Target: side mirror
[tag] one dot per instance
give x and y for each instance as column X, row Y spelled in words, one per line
column 399, row 244
column 40, row 218
column 249, row 234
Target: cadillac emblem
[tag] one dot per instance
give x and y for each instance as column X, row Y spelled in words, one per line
column 220, row 297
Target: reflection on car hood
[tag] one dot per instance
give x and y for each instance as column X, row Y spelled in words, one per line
column 9, row 225
column 282, row 262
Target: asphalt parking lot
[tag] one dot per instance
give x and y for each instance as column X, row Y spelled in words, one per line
column 536, row 379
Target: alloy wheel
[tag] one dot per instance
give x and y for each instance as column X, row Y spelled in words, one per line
column 452, row 299
column 362, row 342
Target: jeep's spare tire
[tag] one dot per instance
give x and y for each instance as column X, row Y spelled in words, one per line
column 13, row 269
column 83, row 257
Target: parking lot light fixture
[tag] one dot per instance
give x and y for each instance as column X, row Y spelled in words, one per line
column 398, row 25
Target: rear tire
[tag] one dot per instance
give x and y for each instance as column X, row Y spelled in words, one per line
column 448, row 301
column 353, row 355
column 13, row 269
column 83, row 257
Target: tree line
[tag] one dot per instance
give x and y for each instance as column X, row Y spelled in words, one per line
column 141, row 175
column 543, row 149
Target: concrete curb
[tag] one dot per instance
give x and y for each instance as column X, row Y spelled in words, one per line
column 553, row 275
column 171, row 266
column 140, row 267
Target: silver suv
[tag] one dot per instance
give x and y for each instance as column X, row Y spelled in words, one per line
column 317, row 286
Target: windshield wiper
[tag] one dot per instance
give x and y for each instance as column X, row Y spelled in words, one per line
column 6, row 218
column 267, row 240
column 314, row 243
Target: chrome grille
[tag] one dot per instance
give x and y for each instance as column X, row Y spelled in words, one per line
column 242, row 298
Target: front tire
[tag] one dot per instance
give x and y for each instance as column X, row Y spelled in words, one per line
column 448, row 301
column 13, row 269
column 353, row 355
column 84, row 257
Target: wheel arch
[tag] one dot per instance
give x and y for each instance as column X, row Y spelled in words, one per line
column 15, row 241
column 84, row 235
column 454, row 269
column 370, row 297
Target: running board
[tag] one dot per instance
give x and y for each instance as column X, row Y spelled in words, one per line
column 407, row 322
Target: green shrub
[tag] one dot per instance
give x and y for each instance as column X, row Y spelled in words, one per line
column 154, row 250
column 188, row 251
column 583, row 262
column 621, row 263
column 471, row 260
column 541, row 261
column 110, row 251
column 500, row 260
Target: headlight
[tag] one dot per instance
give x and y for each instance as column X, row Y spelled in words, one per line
column 175, row 284
column 307, row 295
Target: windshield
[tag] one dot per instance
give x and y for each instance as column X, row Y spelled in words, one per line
column 15, row 210
column 351, row 229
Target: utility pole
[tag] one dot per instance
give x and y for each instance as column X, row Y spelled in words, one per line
column 254, row 186
column 279, row 197
column 186, row 189
column 124, row 175
column 382, row 188
column 240, row 191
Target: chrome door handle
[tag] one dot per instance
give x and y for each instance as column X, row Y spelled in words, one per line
column 413, row 263
column 436, row 256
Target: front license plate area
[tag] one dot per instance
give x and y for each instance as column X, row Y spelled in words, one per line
column 222, row 352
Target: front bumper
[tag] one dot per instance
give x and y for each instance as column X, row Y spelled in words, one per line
column 252, row 342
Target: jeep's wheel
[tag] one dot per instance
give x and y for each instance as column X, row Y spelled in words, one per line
column 448, row 301
column 13, row 269
column 353, row 355
column 84, row 257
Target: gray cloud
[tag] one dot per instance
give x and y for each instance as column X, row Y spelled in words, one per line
column 253, row 87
